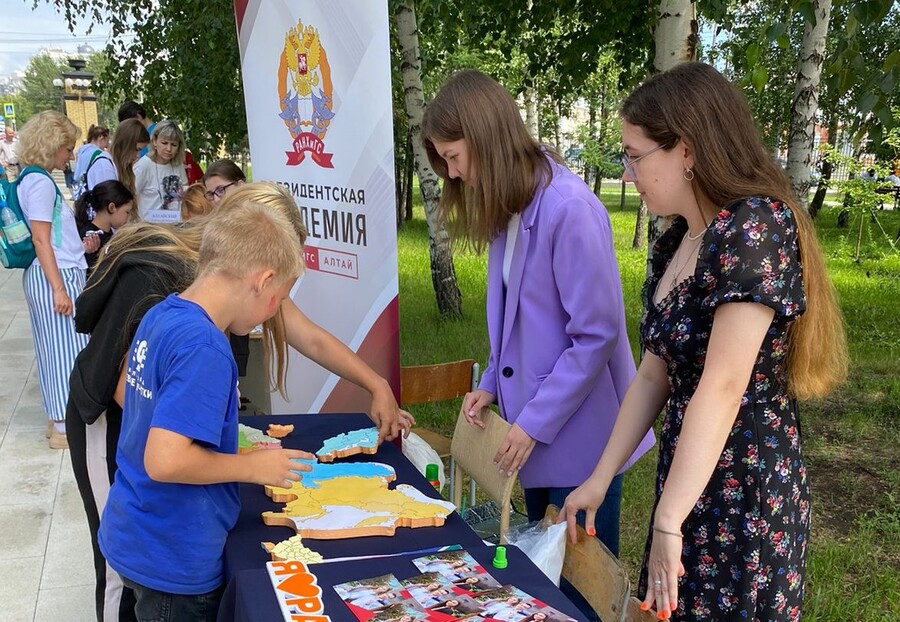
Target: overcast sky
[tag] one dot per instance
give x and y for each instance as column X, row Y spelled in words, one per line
column 24, row 31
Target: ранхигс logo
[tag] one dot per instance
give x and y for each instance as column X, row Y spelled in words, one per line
column 305, row 95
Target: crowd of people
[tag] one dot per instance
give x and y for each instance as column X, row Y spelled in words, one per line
column 137, row 289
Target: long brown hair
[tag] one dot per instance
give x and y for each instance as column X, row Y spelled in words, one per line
column 508, row 161
column 695, row 103
column 129, row 135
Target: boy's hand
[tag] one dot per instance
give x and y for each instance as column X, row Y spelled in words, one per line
column 275, row 467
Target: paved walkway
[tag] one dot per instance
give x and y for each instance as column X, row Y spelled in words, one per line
column 45, row 550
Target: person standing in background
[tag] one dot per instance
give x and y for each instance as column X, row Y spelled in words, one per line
column 9, row 157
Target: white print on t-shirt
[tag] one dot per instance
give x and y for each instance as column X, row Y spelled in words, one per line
column 134, row 377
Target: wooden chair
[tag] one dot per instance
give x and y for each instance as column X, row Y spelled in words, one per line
column 473, row 450
column 595, row 572
column 422, row 384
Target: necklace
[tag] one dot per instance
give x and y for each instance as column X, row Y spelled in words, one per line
column 686, row 260
column 693, row 238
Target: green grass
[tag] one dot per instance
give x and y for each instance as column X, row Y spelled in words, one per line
column 850, row 439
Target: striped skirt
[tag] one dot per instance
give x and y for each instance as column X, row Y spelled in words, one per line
column 56, row 343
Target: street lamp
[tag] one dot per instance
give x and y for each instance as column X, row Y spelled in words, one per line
column 79, row 102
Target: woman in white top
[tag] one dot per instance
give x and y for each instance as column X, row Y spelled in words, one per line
column 159, row 176
column 130, row 138
column 56, row 277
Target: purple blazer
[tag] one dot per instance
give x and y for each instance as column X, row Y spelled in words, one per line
column 560, row 360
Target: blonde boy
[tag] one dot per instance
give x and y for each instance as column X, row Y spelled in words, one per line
column 175, row 495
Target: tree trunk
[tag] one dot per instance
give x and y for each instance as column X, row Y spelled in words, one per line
column 598, row 181
column 640, row 227
column 531, row 111
column 827, row 169
column 409, row 172
column 806, row 99
column 443, row 274
column 675, row 39
column 622, row 198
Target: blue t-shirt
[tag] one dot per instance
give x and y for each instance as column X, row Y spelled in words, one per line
column 181, row 377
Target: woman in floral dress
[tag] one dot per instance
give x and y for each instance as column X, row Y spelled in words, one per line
column 740, row 321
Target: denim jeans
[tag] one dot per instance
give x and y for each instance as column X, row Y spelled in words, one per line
column 156, row 606
column 606, row 522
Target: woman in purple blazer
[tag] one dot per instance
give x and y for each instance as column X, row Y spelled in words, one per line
column 560, row 360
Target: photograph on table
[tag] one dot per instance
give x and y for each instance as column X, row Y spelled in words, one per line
column 401, row 612
column 459, row 568
column 371, row 594
column 456, row 607
column 510, row 604
column 428, row 589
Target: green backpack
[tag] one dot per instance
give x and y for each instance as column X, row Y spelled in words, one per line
column 16, row 245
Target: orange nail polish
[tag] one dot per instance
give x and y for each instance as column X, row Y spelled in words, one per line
column 591, row 531
column 645, row 607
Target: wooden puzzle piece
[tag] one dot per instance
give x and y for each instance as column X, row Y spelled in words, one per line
column 364, row 441
column 251, row 439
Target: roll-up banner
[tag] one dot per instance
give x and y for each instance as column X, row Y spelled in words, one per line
column 317, row 86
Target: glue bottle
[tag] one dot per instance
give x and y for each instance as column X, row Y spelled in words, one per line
column 431, row 474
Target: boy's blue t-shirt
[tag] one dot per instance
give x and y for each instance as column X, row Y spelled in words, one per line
column 181, row 377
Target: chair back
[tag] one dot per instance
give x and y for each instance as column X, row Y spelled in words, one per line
column 420, row 384
column 473, row 450
column 595, row 572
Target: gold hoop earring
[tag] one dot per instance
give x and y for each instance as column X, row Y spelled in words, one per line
column 688, row 175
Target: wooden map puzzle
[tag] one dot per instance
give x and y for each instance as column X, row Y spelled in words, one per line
column 347, row 444
column 352, row 500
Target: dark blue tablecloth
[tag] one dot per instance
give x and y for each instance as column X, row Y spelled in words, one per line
column 249, row 595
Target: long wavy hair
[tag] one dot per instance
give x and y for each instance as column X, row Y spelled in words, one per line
column 509, row 163
column 274, row 334
column 128, row 136
column 42, row 136
column 694, row 102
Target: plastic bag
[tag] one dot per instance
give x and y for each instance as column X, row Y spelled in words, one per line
column 421, row 454
column 544, row 543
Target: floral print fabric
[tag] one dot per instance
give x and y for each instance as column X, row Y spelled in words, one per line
column 745, row 541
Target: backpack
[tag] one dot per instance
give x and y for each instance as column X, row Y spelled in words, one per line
column 16, row 245
column 81, row 184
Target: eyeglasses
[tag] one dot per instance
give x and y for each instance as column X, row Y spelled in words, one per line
column 629, row 163
column 218, row 192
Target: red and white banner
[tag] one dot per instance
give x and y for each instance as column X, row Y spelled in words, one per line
column 317, row 86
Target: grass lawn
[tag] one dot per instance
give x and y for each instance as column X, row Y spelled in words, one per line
column 851, row 439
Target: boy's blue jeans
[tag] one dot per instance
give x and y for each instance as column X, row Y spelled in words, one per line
column 156, row 606
column 606, row 522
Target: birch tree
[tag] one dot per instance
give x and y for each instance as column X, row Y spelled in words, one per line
column 676, row 42
column 806, row 97
column 443, row 274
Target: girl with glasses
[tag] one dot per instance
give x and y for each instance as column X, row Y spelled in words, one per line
column 740, row 322
column 221, row 179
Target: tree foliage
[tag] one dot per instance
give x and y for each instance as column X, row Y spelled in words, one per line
column 182, row 63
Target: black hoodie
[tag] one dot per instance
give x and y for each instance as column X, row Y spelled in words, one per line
column 114, row 301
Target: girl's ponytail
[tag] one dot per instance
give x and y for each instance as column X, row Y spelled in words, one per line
column 85, row 208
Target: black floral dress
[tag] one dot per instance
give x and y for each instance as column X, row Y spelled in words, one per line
column 745, row 540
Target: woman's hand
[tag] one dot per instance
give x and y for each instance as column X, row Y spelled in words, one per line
column 473, row 403
column 388, row 416
column 514, row 451
column 588, row 497
column 663, row 569
column 62, row 304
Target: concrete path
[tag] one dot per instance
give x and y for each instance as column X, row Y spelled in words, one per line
column 46, row 571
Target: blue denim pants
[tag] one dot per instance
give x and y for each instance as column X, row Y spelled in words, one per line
column 606, row 522
column 156, row 606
